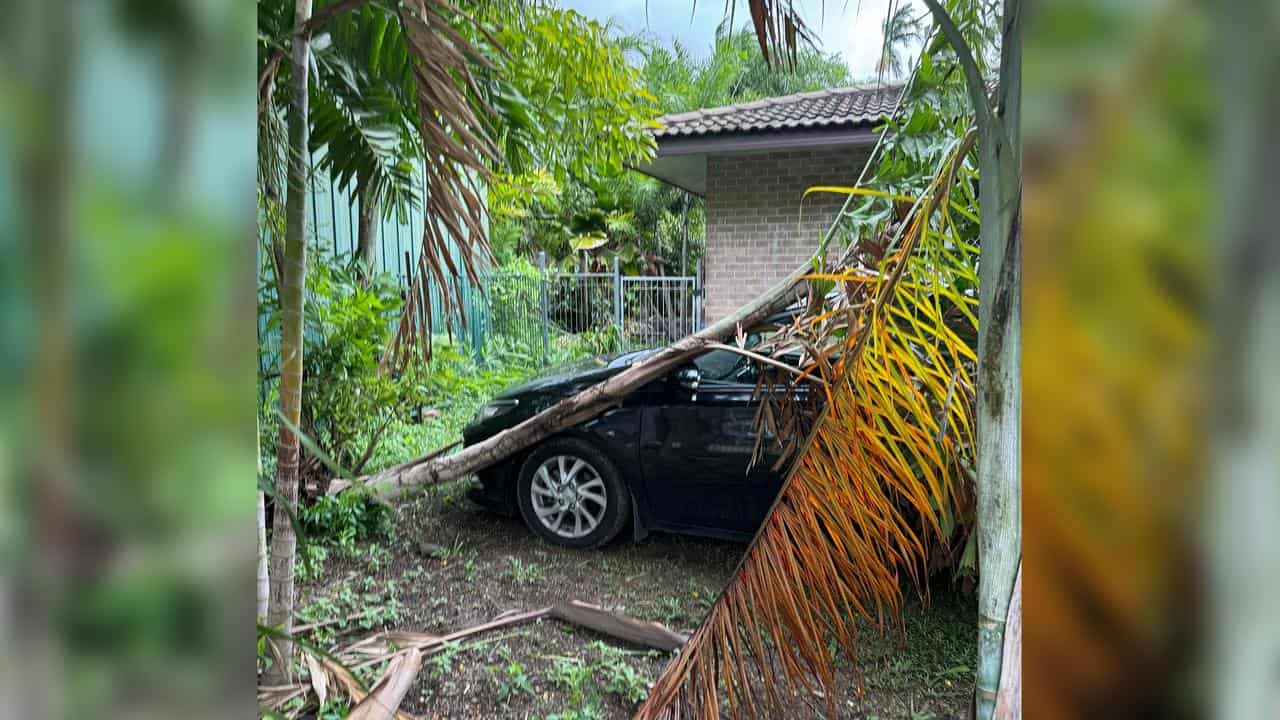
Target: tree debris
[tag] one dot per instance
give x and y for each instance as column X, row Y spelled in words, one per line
column 593, row 617
column 404, row 650
column 383, row 702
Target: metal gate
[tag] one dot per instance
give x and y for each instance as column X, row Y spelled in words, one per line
column 655, row 311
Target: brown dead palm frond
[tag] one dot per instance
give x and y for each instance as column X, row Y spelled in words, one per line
column 779, row 29
column 456, row 135
column 876, row 486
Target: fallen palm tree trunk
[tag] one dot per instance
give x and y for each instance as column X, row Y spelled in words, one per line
column 587, row 404
column 592, row 617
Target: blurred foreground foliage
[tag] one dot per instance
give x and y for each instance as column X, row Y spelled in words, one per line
column 153, row 519
column 126, row 530
column 1132, row 111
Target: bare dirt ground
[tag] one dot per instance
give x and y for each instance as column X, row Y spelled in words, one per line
column 452, row 565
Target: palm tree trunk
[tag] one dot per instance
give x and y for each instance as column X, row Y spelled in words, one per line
column 1243, row 499
column 999, row 381
column 283, row 541
column 367, row 232
column 264, row 575
column 999, row 436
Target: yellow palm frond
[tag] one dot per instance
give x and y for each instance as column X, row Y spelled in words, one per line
column 874, row 490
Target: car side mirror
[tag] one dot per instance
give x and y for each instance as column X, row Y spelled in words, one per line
column 687, row 377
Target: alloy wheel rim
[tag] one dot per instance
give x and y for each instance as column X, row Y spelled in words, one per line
column 568, row 496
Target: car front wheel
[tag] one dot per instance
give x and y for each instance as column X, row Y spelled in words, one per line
column 572, row 495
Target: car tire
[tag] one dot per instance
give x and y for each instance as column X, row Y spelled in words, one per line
column 571, row 494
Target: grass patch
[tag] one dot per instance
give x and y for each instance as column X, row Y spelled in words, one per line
column 934, row 659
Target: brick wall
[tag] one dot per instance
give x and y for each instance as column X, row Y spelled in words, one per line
column 753, row 202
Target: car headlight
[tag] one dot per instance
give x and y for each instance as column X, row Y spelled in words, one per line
column 494, row 408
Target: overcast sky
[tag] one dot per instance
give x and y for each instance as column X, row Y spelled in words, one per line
column 850, row 28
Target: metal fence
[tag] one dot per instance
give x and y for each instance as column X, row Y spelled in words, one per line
column 538, row 312
column 600, row 311
column 333, row 216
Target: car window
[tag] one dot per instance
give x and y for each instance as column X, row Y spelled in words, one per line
column 731, row 367
column 726, row 365
column 718, row 365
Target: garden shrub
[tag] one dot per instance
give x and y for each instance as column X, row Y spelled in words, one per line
column 347, row 403
column 344, row 520
column 346, row 399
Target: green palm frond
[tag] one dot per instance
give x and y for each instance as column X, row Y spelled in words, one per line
column 361, row 128
column 362, row 111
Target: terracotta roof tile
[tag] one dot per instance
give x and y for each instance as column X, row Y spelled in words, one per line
column 849, row 106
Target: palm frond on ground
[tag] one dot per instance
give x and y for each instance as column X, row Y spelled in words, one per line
column 877, row 490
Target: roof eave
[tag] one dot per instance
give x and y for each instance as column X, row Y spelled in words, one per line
column 764, row 140
column 681, row 159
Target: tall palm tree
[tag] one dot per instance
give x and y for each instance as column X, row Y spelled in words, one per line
column 901, row 27
column 415, row 91
column 292, row 269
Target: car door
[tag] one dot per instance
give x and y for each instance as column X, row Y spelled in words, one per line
column 696, row 446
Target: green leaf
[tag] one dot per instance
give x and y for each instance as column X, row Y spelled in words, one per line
column 588, row 241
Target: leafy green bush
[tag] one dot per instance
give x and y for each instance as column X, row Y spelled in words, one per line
column 455, row 388
column 348, row 404
column 344, row 520
column 346, row 400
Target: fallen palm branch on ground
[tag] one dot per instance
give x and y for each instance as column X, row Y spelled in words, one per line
column 877, row 487
column 403, row 652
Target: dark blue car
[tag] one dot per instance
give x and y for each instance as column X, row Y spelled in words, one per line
column 676, row 456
